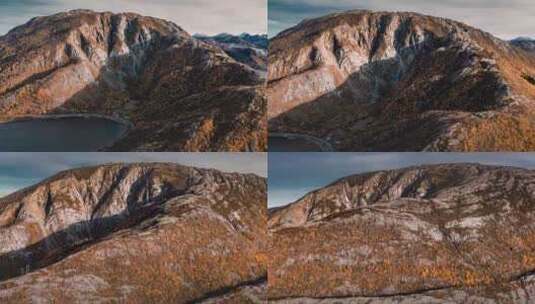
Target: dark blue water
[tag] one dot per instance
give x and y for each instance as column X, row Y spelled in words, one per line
column 297, row 144
column 70, row 134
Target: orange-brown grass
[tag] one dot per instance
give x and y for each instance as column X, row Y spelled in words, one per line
column 502, row 132
column 314, row 261
column 175, row 263
column 185, row 264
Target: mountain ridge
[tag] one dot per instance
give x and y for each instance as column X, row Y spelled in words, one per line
column 427, row 234
column 78, row 224
column 179, row 93
column 362, row 79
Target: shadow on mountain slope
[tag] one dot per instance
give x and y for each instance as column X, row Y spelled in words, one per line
column 395, row 116
column 61, row 244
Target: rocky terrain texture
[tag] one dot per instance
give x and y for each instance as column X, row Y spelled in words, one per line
column 381, row 81
column 180, row 93
column 136, row 233
column 451, row 233
column 245, row 48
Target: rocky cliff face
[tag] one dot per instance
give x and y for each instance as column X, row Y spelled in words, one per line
column 245, row 48
column 400, row 81
column 140, row 233
column 433, row 234
column 180, row 93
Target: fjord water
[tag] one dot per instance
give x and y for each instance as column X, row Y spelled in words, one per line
column 293, row 144
column 68, row 134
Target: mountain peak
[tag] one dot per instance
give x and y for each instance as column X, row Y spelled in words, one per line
column 86, row 218
column 356, row 16
column 104, row 63
column 425, row 182
column 389, row 68
column 408, row 235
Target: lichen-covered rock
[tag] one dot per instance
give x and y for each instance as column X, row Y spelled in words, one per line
column 137, row 233
column 143, row 69
column 379, row 81
column 452, row 233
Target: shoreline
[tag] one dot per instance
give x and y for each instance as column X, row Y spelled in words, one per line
column 62, row 116
column 126, row 123
column 324, row 145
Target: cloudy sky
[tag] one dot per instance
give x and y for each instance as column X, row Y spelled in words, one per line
column 19, row 170
column 195, row 16
column 292, row 175
column 504, row 18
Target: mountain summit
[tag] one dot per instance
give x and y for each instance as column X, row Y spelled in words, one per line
column 381, row 81
column 180, row 93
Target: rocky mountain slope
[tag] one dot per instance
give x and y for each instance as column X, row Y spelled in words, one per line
column 245, row 48
column 136, row 233
column 180, row 93
column 452, row 233
column 401, row 81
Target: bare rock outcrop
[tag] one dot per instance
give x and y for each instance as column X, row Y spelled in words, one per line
column 136, row 233
column 381, row 81
column 452, row 233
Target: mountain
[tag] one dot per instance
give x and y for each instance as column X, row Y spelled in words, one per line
column 246, row 40
column 260, row 41
column 179, row 93
column 527, row 44
column 135, row 233
column 245, row 48
column 450, row 233
column 381, row 81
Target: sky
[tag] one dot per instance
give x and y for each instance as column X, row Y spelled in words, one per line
column 19, row 170
column 506, row 19
column 292, row 175
column 195, row 16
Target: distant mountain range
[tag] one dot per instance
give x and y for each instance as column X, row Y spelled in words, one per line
column 245, row 48
column 248, row 40
column 179, row 93
column 381, row 81
column 525, row 43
